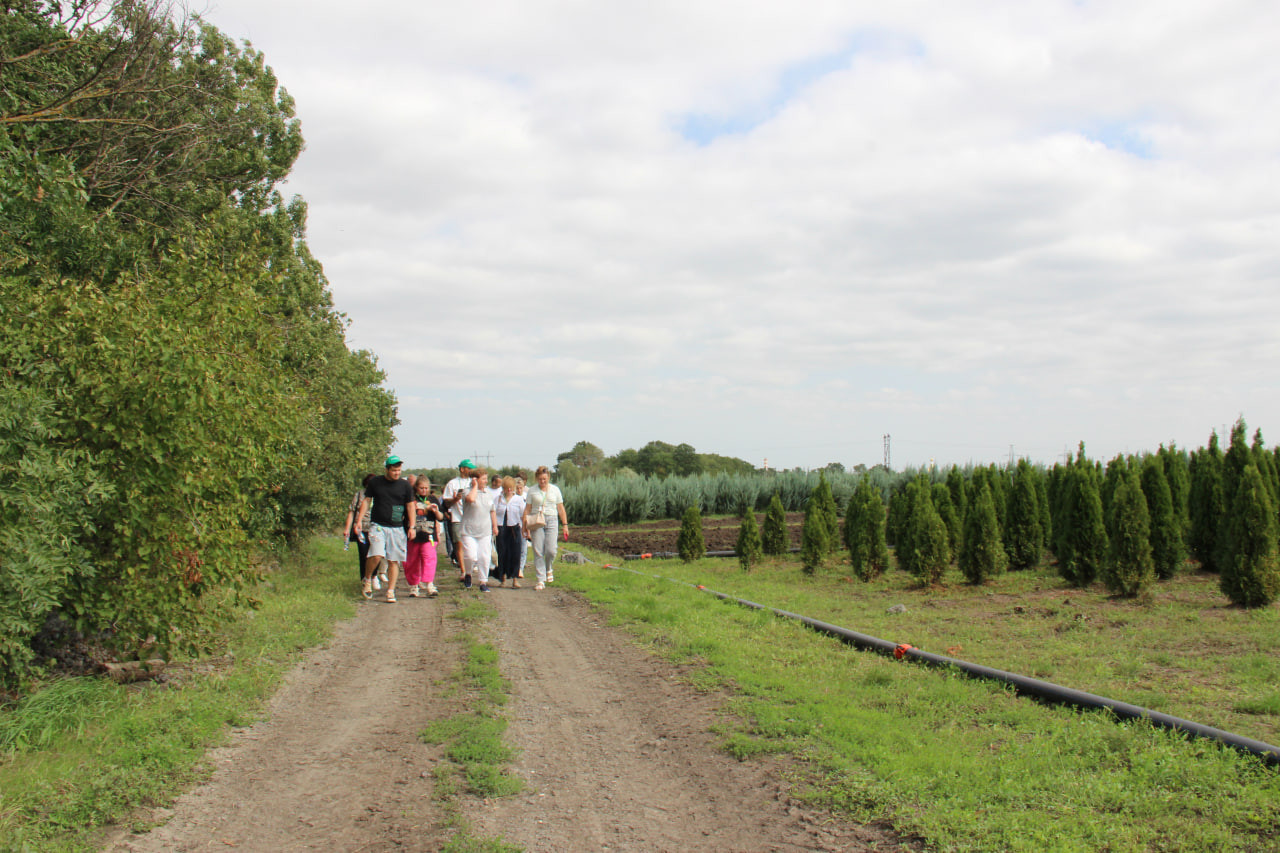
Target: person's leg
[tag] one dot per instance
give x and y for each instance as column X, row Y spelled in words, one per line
column 484, row 547
column 467, row 554
column 550, row 547
column 413, row 564
column 429, row 560
column 362, row 552
column 459, row 551
column 524, row 554
column 539, row 555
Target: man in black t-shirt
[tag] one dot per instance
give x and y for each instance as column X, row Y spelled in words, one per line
column 393, row 510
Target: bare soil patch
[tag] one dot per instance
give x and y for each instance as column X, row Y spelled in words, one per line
column 659, row 537
column 614, row 747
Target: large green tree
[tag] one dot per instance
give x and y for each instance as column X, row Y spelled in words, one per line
column 167, row 342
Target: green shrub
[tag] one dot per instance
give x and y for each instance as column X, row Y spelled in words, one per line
column 750, row 547
column 691, row 544
column 773, row 534
column 864, row 523
column 1129, row 569
column 1251, row 572
column 982, row 555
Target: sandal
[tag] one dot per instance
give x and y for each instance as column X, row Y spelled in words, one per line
column 391, row 596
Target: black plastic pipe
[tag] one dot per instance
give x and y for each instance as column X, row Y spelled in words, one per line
column 1023, row 685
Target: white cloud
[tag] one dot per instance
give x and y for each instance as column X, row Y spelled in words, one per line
column 787, row 230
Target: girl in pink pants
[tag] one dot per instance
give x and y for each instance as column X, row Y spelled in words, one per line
column 420, row 562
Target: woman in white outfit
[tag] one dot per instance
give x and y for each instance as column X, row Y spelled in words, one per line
column 479, row 527
column 544, row 504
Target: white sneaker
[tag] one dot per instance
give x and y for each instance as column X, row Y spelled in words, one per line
column 413, row 591
column 377, row 584
column 432, row 592
column 382, row 576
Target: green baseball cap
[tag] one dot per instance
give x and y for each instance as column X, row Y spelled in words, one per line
column 467, row 463
column 392, row 461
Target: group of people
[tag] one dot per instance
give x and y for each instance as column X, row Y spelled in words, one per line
column 398, row 521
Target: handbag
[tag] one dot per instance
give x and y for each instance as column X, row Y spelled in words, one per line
column 539, row 521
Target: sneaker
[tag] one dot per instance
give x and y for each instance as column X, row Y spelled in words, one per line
column 391, row 596
column 382, row 576
column 484, row 587
column 413, row 592
column 538, row 587
column 377, row 584
column 367, row 590
column 432, row 592
column 466, row 581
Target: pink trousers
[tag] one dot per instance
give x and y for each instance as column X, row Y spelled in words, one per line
column 420, row 564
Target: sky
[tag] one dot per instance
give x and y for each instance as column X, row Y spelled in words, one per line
column 791, row 232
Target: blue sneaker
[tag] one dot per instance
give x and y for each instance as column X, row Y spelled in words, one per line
column 484, row 587
column 466, row 581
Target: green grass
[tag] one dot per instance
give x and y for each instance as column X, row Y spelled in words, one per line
column 965, row 764
column 85, row 752
column 477, row 758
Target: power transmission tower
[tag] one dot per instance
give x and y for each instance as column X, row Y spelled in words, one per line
column 886, row 453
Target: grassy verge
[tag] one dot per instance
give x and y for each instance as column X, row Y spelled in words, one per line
column 477, row 758
column 965, row 764
column 85, row 752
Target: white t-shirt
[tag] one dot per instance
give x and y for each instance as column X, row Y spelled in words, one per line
column 544, row 502
column 458, row 486
column 477, row 518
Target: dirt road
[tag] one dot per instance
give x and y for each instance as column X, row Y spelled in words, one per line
column 613, row 747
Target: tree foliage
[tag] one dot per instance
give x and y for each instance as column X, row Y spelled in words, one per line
column 691, row 543
column 1023, row 536
column 982, row 554
column 773, row 533
column 1250, row 572
column 1129, row 569
column 923, row 550
column 815, row 536
column 750, row 548
column 864, row 523
column 177, row 386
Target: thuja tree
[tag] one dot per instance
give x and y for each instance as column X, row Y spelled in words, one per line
column 773, row 534
column 750, row 547
column 941, row 496
column 982, row 555
column 1082, row 538
column 828, row 512
column 1129, row 568
column 691, row 544
column 1178, row 475
column 1250, row 574
column 1234, row 461
column 864, row 532
column 1023, row 536
column 1167, row 549
column 1208, row 506
column 924, row 548
column 959, row 497
column 815, row 539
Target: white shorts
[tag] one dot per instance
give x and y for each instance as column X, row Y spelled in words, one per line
column 389, row 542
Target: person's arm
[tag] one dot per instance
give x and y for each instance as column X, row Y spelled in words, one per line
column 474, row 494
column 493, row 518
column 364, row 508
column 411, row 512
